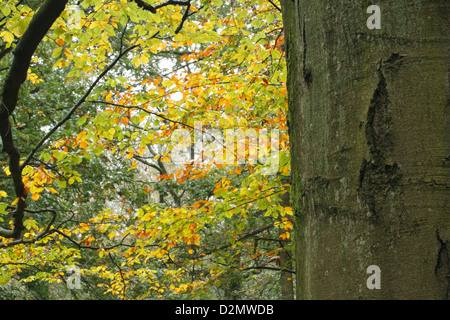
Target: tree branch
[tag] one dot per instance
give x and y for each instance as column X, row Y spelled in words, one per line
column 184, row 18
column 33, row 35
column 143, row 5
column 276, row 7
column 143, row 109
column 41, row 235
column 267, row 268
column 77, row 105
column 174, row 3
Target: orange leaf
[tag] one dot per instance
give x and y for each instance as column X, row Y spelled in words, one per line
column 51, row 189
column 60, row 42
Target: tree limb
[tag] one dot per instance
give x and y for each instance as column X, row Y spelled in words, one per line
column 47, row 231
column 143, row 5
column 33, row 35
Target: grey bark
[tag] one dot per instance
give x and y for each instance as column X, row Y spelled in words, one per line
column 369, row 131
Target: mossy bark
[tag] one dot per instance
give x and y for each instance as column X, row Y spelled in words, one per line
column 369, row 130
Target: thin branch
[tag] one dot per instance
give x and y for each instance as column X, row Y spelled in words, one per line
column 241, row 238
column 276, row 7
column 4, row 52
column 142, row 109
column 184, row 18
column 82, row 246
column 267, row 268
column 47, row 231
column 121, row 274
column 77, row 105
column 159, row 116
column 154, row 166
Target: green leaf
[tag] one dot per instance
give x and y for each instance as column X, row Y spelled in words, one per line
column 3, row 207
column 62, row 183
column 81, row 121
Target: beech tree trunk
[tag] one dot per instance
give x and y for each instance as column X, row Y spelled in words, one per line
column 369, row 129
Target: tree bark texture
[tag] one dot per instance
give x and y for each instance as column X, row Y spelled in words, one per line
column 369, row 129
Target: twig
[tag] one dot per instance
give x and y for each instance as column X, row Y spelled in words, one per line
column 77, row 105
column 276, row 7
column 183, row 19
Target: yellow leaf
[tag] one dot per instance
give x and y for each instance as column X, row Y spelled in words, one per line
column 8, row 36
column 3, row 194
column 51, row 190
column 35, row 196
column 144, row 59
column 15, row 202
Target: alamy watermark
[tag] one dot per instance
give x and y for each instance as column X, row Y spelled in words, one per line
column 374, row 21
column 374, row 281
column 74, row 17
column 74, row 279
column 229, row 146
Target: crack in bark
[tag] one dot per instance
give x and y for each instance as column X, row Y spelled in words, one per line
column 306, row 69
column 378, row 174
column 442, row 267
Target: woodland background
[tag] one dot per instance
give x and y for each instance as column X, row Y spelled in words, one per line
column 105, row 89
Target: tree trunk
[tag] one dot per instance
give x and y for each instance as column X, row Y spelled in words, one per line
column 369, row 131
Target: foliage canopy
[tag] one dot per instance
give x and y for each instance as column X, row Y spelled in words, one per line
column 89, row 178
